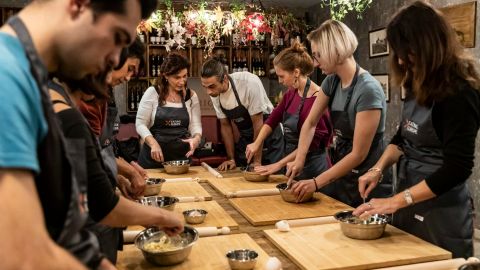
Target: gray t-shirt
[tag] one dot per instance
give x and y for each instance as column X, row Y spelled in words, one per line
column 367, row 95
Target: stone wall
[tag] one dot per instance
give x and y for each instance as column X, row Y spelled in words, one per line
column 377, row 17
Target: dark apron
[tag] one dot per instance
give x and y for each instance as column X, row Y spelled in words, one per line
column 110, row 239
column 79, row 242
column 446, row 220
column 272, row 147
column 316, row 161
column 109, row 130
column 346, row 187
column 169, row 128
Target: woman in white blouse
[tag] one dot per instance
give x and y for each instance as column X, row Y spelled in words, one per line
column 169, row 118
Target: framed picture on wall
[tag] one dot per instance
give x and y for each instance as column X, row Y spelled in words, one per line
column 377, row 40
column 384, row 82
column 462, row 17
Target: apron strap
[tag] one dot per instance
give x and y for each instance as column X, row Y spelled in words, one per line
column 336, row 82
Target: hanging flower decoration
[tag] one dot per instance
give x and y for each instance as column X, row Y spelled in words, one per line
column 254, row 26
column 340, row 8
column 175, row 33
column 209, row 25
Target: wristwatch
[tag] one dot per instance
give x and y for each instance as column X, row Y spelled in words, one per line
column 408, row 196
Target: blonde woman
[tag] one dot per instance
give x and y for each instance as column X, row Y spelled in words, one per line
column 357, row 108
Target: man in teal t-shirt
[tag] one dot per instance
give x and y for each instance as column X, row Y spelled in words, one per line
column 71, row 39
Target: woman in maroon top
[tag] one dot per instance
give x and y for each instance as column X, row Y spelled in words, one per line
column 293, row 65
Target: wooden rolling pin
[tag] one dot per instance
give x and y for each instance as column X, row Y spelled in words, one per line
column 129, row 236
column 252, row 193
column 211, row 170
column 436, row 265
column 176, row 180
column 212, row 231
column 190, row 199
column 284, row 225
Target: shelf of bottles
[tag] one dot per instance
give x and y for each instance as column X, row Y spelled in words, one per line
column 252, row 57
column 136, row 88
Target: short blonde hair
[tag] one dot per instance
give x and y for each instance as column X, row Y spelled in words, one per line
column 335, row 41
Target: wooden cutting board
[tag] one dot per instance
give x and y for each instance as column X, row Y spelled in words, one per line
column 185, row 189
column 207, row 253
column 325, row 247
column 193, row 172
column 216, row 217
column 227, row 185
column 270, row 209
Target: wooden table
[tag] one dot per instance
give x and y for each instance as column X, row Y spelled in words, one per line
column 227, row 185
column 184, row 189
column 193, row 172
column 207, row 253
column 325, row 247
column 270, row 209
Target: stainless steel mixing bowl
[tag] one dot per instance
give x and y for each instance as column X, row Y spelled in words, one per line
column 363, row 229
column 185, row 241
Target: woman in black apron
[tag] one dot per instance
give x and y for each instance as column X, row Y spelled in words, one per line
column 293, row 65
column 435, row 143
column 169, row 137
column 348, row 90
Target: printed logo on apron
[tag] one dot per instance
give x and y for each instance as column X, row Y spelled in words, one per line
column 410, row 126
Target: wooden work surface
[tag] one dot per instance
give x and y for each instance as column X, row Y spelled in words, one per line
column 270, row 209
column 255, row 232
column 227, row 185
column 184, row 189
column 216, row 217
column 325, row 247
column 207, row 253
column 193, row 172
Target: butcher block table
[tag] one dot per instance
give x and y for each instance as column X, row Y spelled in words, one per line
column 216, row 217
column 268, row 210
column 232, row 184
column 193, row 172
column 325, row 247
column 207, row 253
column 185, row 189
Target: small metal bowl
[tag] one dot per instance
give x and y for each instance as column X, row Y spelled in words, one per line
column 288, row 196
column 154, row 186
column 185, row 241
column 242, row 258
column 363, row 229
column 195, row 216
column 252, row 176
column 165, row 202
column 176, row 166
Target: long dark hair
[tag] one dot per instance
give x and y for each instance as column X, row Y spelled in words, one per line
column 439, row 60
column 172, row 64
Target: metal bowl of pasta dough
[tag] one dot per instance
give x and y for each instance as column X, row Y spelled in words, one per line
column 250, row 175
column 242, row 258
column 195, row 216
column 176, row 166
column 288, row 196
column 165, row 202
column 160, row 249
column 359, row 228
column 154, row 186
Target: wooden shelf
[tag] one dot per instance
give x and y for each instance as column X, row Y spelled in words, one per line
column 196, row 56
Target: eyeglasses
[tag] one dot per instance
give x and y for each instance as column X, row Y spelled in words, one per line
column 315, row 59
